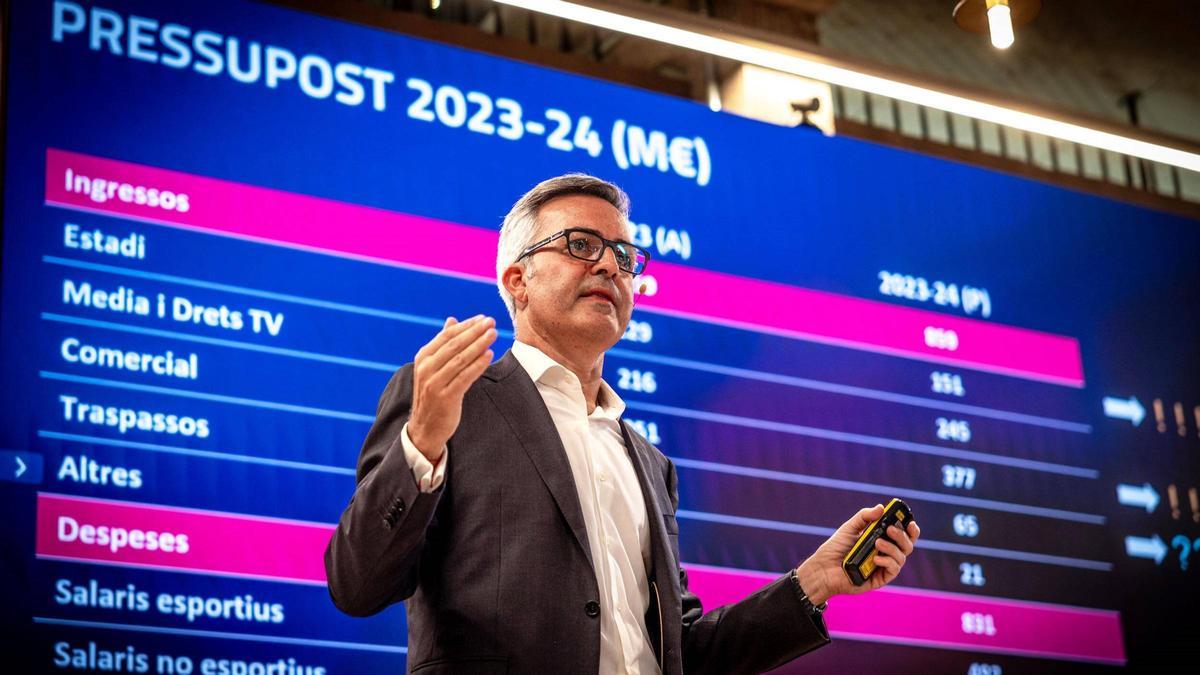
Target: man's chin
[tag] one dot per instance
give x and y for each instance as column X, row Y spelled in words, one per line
column 601, row 323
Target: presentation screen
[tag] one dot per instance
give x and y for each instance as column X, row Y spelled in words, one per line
column 227, row 224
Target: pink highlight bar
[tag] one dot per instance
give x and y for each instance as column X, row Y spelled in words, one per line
column 218, row 543
column 942, row 620
column 415, row 242
column 280, row 218
column 869, row 325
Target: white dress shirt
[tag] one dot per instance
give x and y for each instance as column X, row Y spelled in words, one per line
column 610, row 496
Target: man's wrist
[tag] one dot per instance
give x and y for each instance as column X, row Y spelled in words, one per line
column 813, row 583
column 432, row 451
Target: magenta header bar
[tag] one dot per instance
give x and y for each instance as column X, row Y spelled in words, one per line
column 377, row 235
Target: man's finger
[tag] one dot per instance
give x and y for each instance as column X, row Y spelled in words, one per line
column 457, row 338
column 465, row 357
column 863, row 519
column 883, row 577
column 453, row 327
column 892, row 551
column 888, row 564
column 901, row 539
column 914, row 531
column 462, row 381
column 441, row 337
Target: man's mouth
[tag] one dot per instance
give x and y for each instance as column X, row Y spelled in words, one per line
column 600, row 293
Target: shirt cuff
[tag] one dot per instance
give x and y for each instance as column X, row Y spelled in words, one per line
column 428, row 476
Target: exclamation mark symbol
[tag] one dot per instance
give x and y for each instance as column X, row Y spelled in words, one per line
column 1159, row 418
column 1194, row 498
column 1173, row 498
column 1180, row 420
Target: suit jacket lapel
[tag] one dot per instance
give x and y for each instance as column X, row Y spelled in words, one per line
column 650, row 484
column 662, row 565
column 517, row 397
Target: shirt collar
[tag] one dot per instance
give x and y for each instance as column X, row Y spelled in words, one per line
column 541, row 368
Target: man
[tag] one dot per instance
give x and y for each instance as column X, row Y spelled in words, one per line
column 528, row 528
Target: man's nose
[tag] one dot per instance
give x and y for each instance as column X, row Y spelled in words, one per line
column 607, row 264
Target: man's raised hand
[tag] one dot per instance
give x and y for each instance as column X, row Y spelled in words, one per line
column 443, row 370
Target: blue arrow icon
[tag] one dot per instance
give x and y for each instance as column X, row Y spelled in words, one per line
column 20, row 467
column 1153, row 548
column 1143, row 496
column 1124, row 409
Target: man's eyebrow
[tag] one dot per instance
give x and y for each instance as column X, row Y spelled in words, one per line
column 599, row 234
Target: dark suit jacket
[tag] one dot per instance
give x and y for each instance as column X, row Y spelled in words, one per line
column 495, row 565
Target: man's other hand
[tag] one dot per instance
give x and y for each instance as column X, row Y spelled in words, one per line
column 822, row 576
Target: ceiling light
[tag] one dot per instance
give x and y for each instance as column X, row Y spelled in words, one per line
column 1000, row 24
column 996, row 17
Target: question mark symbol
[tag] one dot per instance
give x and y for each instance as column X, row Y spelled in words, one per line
column 1185, row 547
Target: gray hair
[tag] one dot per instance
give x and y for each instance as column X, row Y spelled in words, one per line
column 520, row 225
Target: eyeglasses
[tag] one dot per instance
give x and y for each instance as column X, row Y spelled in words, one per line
column 589, row 246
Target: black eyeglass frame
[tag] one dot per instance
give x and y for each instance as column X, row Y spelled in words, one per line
column 608, row 243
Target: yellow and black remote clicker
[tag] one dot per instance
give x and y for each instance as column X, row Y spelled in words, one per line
column 860, row 561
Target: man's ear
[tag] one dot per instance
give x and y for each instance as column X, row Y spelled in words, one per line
column 514, row 280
